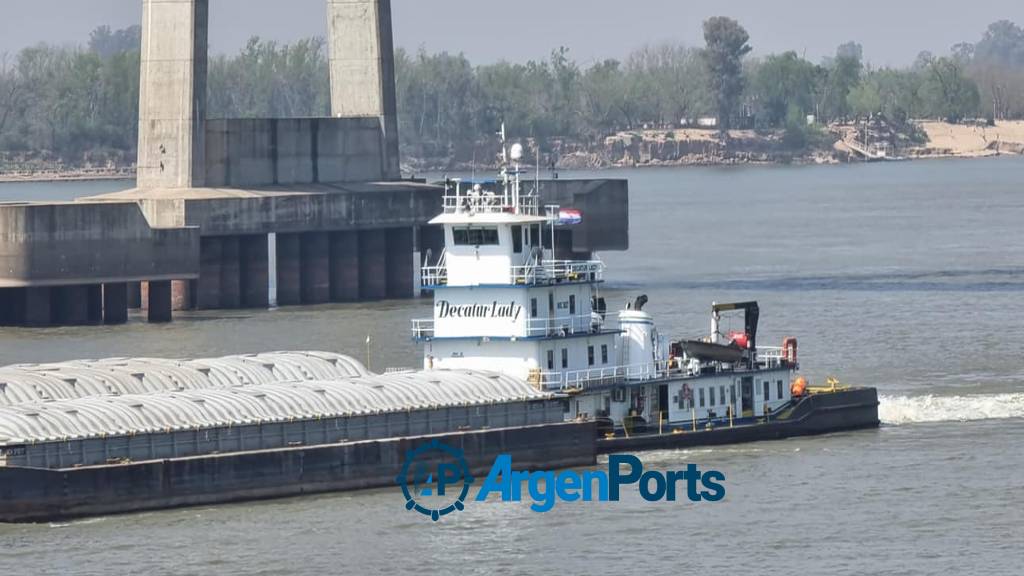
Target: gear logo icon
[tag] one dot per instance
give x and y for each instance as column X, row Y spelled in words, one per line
column 435, row 480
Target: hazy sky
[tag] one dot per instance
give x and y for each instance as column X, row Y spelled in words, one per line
column 892, row 31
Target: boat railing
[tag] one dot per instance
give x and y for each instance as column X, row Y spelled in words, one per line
column 435, row 275
column 580, row 380
column 560, row 326
column 545, row 272
column 488, row 202
column 770, row 357
column 549, row 271
column 423, row 328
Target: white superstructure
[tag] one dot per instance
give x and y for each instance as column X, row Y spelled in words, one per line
column 503, row 302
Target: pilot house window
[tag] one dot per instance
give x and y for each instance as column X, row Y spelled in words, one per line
column 475, row 236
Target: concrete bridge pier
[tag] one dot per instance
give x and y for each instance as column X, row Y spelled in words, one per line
column 344, row 266
column 115, row 303
column 400, row 261
column 289, row 269
column 158, row 299
column 254, row 270
column 36, row 306
column 373, row 265
column 314, row 267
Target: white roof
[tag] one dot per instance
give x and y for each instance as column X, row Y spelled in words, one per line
column 100, row 416
column 34, row 383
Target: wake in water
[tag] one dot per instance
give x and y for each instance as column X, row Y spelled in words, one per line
column 918, row 409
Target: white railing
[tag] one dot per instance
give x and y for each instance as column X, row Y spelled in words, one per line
column 558, row 271
column 547, row 272
column 579, row 380
column 423, row 328
column 769, row 356
column 561, row 326
column 435, row 275
column 489, row 203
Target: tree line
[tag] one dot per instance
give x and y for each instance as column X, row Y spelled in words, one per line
column 81, row 103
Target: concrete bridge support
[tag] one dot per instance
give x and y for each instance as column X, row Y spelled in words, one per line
column 344, row 266
column 373, row 264
column 400, row 262
column 172, row 111
column 115, row 303
column 158, row 297
column 254, row 270
column 289, row 269
column 315, row 273
column 36, row 306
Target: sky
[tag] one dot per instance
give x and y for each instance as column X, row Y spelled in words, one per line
column 892, row 32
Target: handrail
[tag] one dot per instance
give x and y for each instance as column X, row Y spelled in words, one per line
column 545, row 272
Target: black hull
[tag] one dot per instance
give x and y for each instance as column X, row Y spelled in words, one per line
column 844, row 410
column 38, row 495
column 41, row 495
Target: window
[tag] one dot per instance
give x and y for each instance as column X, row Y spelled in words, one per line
column 767, row 391
column 781, row 390
column 572, row 305
column 711, row 394
column 533, row 307
column 590, row 355
column 517, row 239
column 701, row 397
column 551, row 359
column 565, row 358
column 604, row 353
column 475, row 236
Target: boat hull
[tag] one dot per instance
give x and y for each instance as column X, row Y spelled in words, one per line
column 825, row 413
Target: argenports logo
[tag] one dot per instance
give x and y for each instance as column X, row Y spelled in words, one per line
column 436, row 481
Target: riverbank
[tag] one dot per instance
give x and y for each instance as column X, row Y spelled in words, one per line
column 688, row 147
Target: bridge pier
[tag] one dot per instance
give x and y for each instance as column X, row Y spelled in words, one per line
column 315, row 274
column 373, row 265
column 344, row 265
column 115, row 303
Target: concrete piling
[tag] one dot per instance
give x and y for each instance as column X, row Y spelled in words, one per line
column 289, row 269
column 159, row 299
column 255, row 271
column 373, row 265
column 115, row 303
column 344, row 266
column 315, row 278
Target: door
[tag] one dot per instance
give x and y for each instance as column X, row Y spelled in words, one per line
column 747, row 394
column 662, row 403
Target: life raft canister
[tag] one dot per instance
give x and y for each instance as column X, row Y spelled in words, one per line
column 789, row 350
column 741, row 339
column 799, row 387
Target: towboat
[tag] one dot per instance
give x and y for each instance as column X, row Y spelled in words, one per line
column 506, row 301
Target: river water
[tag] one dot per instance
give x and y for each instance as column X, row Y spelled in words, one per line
column 904, row 276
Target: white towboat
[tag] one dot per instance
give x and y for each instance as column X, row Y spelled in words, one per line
column 503, row 302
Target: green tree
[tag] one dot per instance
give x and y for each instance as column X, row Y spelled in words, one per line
column 949, row 93
column 844, row 75
column 726, row 46
column 784, row 81
column 865, row 99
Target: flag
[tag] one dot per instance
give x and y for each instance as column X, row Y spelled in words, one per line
column 569, row 217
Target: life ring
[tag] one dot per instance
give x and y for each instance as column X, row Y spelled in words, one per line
column 789, row 347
